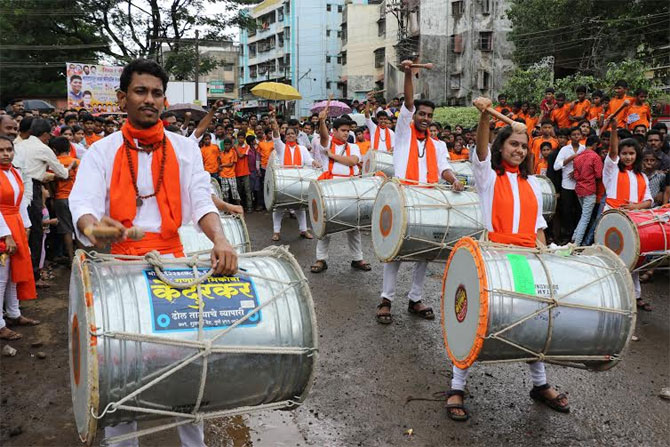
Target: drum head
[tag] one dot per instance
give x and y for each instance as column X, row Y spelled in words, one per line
column 618, row 232
column 83, row 351
column 368, row 162
column 464, row 306
column 269, row 188
column 389, row 221
column 317, row 211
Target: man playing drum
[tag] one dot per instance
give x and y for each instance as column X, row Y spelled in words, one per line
column 339, row 159
column 511, row 201
column 419, row 160
column 146, row 177
column 290, row 154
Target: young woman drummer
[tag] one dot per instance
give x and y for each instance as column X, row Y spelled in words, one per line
column 626, row 186
column 511, row 202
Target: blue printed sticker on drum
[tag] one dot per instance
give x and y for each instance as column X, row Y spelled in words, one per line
column 226, row 299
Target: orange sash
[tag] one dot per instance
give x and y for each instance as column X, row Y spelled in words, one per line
column 502, row 213
column 73, row 151
column 412, row 172
column 623, row 190
column 387, row 136
column 327, row 175
column 90, row 139
column 21, row 264
column 296, row 158
column 122, row 205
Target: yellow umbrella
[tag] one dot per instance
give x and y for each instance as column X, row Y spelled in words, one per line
column 276, row 91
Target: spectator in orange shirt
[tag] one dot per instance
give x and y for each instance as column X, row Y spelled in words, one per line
column 595, row 114
column 561, row 113
column 265, row 147
column 459, row 152
column 502, row 107
column 210, row 155
column 546, row 136
column 541, row 165
column 580, row 107
column 620, row 89
column 639, row 112
column 227, row 160
column 90, row 136
column 361, row 142
column 242, row 169
column 532, row 118
column 65, row 227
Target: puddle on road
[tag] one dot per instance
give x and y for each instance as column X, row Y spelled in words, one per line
column 265, row 429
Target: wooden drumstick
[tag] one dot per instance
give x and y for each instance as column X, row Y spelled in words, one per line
column 428, row 66
column 516, row 126
column 134, row 233
column 624, row 104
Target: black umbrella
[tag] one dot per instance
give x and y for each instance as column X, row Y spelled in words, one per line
column 197, row 112
column 37, row 104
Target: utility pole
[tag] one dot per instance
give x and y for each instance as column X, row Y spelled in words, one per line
column 197, row 64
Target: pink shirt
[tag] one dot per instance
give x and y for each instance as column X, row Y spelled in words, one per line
column 588, row 168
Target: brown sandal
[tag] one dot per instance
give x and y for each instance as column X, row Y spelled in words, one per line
column 306, row 235
column 554, row 404
column 643, row 305
column 8, row 334
column 21, row 321
column 385, row 318
column 361, row 265
column 275, row 237
column 319, row 266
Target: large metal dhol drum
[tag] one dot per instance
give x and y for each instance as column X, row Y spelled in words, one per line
column 635, row 234
column 549, row 196
column 234, row 228
column 216, row 188
column 463, row 171
column 286, row 187
column 137, row 350
column 419, row 223
column 376, row 161
column 342, row 204
column 505, row 304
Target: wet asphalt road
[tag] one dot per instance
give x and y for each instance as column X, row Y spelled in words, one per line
column 369, row 373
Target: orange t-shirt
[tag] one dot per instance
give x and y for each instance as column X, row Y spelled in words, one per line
column 265, row 148
column 594, row 113
column 560, row 116
column 64, row 187
column 364, row 146
column 228, row 157
column 464, row 155
column 242, row 163
column 537, row 142
column 615, row 103
column 531, row 122
column 638, row 115
column 90, row 139
column 581, row 108
column 541, row 167
column 210, row 158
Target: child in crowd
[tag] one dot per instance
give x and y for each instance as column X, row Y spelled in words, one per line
column 65, row 227
column 639, row 112
column 254, row 160
column 541, row 164
column 580, row 107
column 363, row 144
column 227, row 160
column 588, row 168
column 210, row 155
column 459, row 152
column 547, row 104
column 242, row 168
column 650, row 163
column 561, row 113
column 595, row 114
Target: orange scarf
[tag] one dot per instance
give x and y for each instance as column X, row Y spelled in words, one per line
column 73, row 151
column 502, row 213
column 21, row 266
column 329, row 173
column 623, row 190
column 90, row 139
column 122, row 205
column 387, row 136
column 412, row 172
column 296, row 158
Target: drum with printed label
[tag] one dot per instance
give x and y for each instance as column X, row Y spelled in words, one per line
column 286, row 186
column 463, row 171
column 635, row 234
column 342, row 204
column 142, row 349
column 234, row 228
column 378, row 161
column 568, row 306
column 216, row 188
column 422, row 223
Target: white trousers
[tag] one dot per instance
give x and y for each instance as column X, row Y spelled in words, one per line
column 636, row 284
column 191, row 435
column 354, row 242
column 391, row 276
column 537, row 374
column 299, row 214
column 8, row 294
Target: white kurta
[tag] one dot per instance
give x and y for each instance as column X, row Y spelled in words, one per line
column 372, row 128
column 90, row 194
column 567, row 181
column 320, row 154
column 611, row 180
column 403, row 139
column 280, row 146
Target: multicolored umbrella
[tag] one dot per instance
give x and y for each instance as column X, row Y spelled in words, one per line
column 336, row 108
column 276, row 91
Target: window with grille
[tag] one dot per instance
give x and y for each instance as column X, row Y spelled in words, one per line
column 486, row 41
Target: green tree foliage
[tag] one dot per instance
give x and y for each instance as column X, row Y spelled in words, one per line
column 464, row 116
column 585, row 35
column 36, row 41
column 182, row 64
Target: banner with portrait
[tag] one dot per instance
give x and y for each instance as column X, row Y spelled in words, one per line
column 92, row 87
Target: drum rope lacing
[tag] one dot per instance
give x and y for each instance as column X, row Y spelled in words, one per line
column 204, row 346
column 359, row 197
column 301, row 179
column 555, row 301
column 656, row 256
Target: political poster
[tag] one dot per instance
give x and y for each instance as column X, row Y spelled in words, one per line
column 93, row 87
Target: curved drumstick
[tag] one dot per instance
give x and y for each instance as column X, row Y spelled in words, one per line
column 516, row 126
column 626, row 103
column 428, row 66
column 134, row 233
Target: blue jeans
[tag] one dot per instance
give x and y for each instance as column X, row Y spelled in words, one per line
column 597, row 212
column 587, row 203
